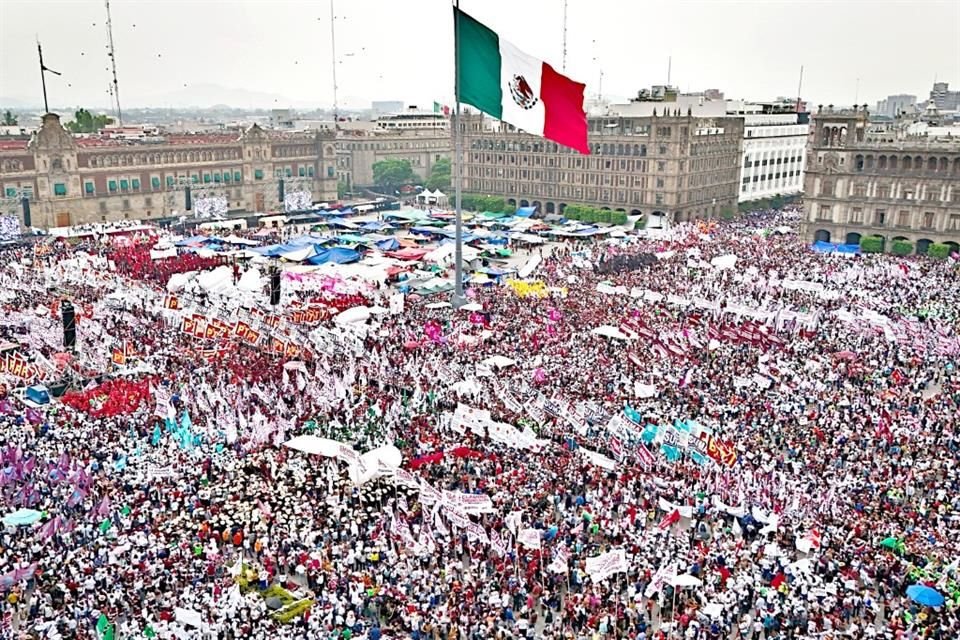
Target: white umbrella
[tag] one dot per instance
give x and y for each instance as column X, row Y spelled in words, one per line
column 438, row 305
column 685, row 580
column 473, row 306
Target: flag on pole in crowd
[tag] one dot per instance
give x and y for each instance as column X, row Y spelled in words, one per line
column 105, row 630
column 501, row 80
column 669, row 520
column 644, row 457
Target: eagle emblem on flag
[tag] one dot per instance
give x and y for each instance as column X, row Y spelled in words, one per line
column 522, row 92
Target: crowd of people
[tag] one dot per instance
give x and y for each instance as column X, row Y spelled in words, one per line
column 167, row 504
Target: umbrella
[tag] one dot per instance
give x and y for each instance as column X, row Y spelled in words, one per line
column 924, row 595
column 894, row 544
column 22, row 517
column 473, row 306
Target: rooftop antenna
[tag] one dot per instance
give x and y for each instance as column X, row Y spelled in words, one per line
column 564, row 35
column 43, row 76
column 333, row 55
column 669, row 68
column 856, row 94
column 799, row 88
column 113, row 64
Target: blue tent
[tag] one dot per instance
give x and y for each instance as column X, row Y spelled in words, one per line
column 390, row 244
column 374, row 225
column 186, row 242
column 342, row 223
column 827, row 247
column 525, row 212
column 336, row 255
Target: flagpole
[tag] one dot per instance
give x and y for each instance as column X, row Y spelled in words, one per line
column 458, row 298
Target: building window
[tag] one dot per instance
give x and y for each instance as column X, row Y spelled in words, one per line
column 112, row 186
column 169, row 181
column 954, row 222
column 59, row 189
column 289, row 172
column 135, row 183
column 195, row 178
column 903, row 219
column 826, row 188
column 206, row 178
column 226, row 176
column 302, row 171
column 11, row 192
column 238, row 177
column 330, row 171
column 155, row 182
column 310, row 171
column 928, row 219
column 88, row 187
column 879, row 217
column 824, row 213
column 856, row 215
column 860, row 190
column 658, row 198
column 124, row 184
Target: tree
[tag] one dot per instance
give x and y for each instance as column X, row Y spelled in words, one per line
column 343, row 187
column 871, row 244
column 439, row 175
column 938, row 250
column 86, row 122
column 902, row 247
column 9, row 120
column 393, row 173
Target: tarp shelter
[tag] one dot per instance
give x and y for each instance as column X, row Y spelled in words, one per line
column 336, row 255
column 407, row 254
column 390, row 244
column 192, row 241
column 235, row 239
column 826, row 247
column 343, row 224
column 375, row 225
column 525, row 212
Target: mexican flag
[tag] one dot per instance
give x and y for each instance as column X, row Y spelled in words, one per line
column 506, row 83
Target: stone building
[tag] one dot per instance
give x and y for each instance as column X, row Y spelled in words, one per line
column 421, row 138
column 682, row 167
column 863, row 180
column 77, row 180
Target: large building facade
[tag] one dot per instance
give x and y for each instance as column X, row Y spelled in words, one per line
column 421, row 138
column 774, row 147
column 73, row 180
column 861, row 180
column 680, row 166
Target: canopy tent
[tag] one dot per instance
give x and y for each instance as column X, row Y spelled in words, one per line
column 445, row 253
column 235, row 239
column 375, row 225
column 390, row 244
column 525, row 212
column 407, row 254
column 336, row 255
column 192, row 241
column 826, row 247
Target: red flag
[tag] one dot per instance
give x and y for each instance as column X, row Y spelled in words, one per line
column 670, row 520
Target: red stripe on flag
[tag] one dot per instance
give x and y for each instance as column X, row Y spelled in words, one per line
column 564, row 120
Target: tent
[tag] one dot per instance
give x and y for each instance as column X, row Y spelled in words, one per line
column 374, row 225
column 390, row 244
column 235, row 239
column 192, row 241
column 525, row 212
column 407, row 254
column 336, row 255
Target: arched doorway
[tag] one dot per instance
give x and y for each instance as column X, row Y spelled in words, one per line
column 524, row 203
column 954, row 247
column 900, row 238
column 550, row 208
column 853, row 238
column 537, row 206
column 923, row 246
column 512, row 202
column 657, row 219
column 562, row 208
column 822, row 235
column 636, row 212
column 621, row 210
column 604, row 208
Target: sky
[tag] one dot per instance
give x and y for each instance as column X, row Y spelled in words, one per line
column 277, row 53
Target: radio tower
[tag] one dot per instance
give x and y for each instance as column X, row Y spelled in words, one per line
column 113, row 64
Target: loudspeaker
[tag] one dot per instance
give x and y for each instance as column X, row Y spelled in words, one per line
column 280, row 191
column 187, row 201
column 274, row 286
column 69, row 325
column 26, row 213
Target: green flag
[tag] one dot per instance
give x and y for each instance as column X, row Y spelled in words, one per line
column 149, row 632
column 105, row 525
column 102, row 624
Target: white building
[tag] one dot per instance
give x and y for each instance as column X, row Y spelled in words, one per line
column 774, row 145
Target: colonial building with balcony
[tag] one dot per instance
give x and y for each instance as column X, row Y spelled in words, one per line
column 71, row 180
column 863, row 180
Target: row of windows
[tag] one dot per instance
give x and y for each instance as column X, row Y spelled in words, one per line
column 383, row 146
column 903, row 219
column 907, row 163
column 134, row 159
column 747, row 162
column 892, row 192
column 770, row 176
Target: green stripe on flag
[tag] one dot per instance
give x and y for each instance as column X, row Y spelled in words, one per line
column 478, row 59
